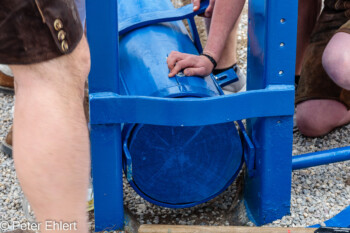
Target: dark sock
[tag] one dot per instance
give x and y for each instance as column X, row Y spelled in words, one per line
column 297, row 78
column 296, row 81
column 218, row 71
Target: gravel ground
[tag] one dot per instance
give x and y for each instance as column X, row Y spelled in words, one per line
column 317, row 193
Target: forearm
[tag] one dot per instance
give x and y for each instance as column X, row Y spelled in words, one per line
column 225, row 15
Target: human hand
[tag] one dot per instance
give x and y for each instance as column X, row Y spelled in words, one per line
column 208, row 12
column 192, row 65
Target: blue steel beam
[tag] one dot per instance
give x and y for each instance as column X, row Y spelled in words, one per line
column 321, row 158
column 272, row 33
column 111, row 108
column 106, row 150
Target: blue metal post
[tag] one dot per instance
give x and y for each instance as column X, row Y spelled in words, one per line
column 271, row 56
column 106, row 150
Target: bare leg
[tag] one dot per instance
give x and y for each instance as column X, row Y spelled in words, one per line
column 229, row 58
column 229, row 55
column 336, row 59
column 318, row 117
column 51, row 142
column 308, row 13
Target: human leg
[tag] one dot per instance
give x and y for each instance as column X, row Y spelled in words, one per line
column 336, row 59
column 322, row 97
column 228, row 58
column 318, row 117
column 52, row 158
column 7, row 83
column 229, row 55
column 51, row 144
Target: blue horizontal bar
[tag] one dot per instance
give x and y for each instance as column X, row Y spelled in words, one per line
column 110, row 108
column 321, row 158
column 149, row 18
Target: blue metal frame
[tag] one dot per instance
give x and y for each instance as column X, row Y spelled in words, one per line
column 108, row 110
column 248, row 150
column 190, row 111
column 270, row 97
column 106, row 151
column 271, row 56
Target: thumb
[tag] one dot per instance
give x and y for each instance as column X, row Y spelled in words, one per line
column 196, row 5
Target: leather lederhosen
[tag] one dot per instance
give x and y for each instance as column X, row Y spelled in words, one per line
column 32, row 31
column 314, row 81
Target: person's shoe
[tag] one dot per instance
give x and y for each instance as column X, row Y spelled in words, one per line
column 6, row 80
column 6, row 145
column 237, row 86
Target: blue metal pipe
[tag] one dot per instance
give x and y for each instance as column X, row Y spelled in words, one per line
column 321, row 158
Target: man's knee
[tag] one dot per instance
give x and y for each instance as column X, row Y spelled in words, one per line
column 336, row 60
column 65, row 73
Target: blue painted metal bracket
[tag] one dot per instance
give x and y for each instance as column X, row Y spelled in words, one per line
column 227, row 77
column 321, row 158
column 149, row 18
column 110, row 108
column 248, row 150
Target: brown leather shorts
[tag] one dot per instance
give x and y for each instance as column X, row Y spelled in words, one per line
column 314, row 82
column 32, row 31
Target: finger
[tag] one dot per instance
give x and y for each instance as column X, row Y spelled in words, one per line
column 209, row 11
column 196, row 5
column 201, row 71
column 178, row 67
column 173, row 58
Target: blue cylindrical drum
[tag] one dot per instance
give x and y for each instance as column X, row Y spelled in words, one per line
column 171, row 166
